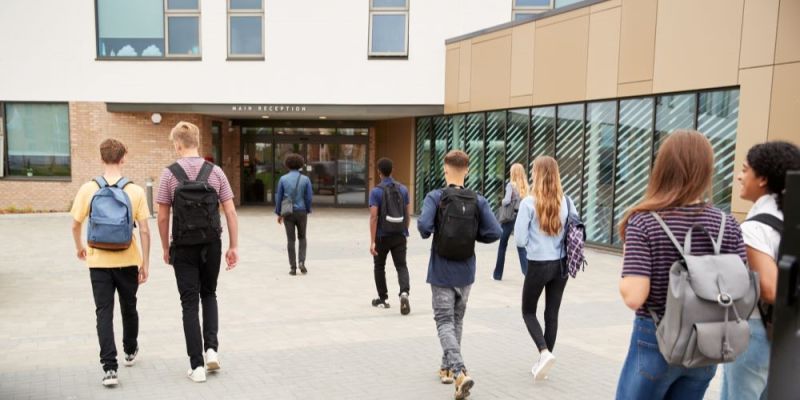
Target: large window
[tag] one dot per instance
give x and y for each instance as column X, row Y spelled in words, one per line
column 526, row 9
column 605, row 150
column 38, row 139
column 245, row 29
column 388, row 28
column 148, row 29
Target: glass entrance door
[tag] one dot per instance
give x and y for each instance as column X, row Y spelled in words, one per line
column 352, row 174
column 258, row 175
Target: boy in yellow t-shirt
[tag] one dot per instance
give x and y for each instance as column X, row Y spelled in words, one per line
column 114, row 270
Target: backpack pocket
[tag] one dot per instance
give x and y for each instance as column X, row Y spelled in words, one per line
column 109, row 234
column 716, row 342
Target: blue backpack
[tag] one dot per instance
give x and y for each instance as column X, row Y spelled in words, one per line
column 110, row 216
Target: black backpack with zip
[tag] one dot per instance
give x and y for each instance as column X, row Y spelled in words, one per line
column 392, row 212
column 457, row 221
column 195, row 208
column 766, row 309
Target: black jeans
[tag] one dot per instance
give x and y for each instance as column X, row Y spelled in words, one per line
column 106, row 281
column 296, row 221
column 196, row 271
column 396, row 245
column 547, row 276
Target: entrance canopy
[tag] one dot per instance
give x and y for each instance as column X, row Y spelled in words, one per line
column 286, row 111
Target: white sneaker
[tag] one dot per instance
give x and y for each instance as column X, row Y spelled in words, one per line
column 197, row 375
column 212, row 360
column 546, row 361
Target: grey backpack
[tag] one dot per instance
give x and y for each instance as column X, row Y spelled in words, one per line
column 708, row 302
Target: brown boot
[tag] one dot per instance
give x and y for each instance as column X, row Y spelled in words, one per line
column 463, row 385
column 446, row 376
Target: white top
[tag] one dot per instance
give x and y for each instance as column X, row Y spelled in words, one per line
column 760, row 236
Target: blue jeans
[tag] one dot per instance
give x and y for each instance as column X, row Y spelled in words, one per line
column 646, row 375
column 508, row 228
column 746, row 378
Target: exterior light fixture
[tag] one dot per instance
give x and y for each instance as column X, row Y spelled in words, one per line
column 323, row 117
column 156, row 118
column 265, row 116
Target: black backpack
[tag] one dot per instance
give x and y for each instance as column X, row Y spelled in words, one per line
column 457, row 221
column 392, row 212
column 766, row 310
column 195, row 208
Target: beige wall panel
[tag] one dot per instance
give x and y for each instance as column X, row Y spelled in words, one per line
column 605, row 6
column 394, row 139
column 521, row 101
column 560, row 61
column 635, row 89
column 522, row 50
column 788, row 46
column 464, row 107
column 491, row 36
column 697, row 44
column 451, row 80
column 563, row 17
column 784, row 119
column 491, row 73
column 464, row 66
column 759, row 28
column 754, row 104
column 601, row 74
column 637, row 40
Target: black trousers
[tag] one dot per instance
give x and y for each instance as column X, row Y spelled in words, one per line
column 396, row 245
column 297, row 221
column 106, row 281
column 196, row 272
column 547, row 276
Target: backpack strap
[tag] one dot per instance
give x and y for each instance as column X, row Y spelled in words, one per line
column 122, row 182
column 687, row 243
column 178, row 172
column 768, row 220
column 296, row 187
column 100, row 181
column 668, row 232
column 205, row 172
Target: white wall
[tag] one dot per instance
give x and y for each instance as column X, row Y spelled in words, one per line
column 316, row 53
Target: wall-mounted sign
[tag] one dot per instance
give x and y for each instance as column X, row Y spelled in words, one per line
column 269, row 108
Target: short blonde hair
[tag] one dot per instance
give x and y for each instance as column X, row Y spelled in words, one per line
column 187, row 134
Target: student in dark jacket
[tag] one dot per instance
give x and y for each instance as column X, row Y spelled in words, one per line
column 450, row 279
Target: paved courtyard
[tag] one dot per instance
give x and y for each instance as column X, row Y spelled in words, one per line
column 309, row 337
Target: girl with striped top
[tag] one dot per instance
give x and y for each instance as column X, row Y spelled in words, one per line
column 679, row 184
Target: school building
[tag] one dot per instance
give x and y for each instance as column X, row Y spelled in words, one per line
column 595, row 83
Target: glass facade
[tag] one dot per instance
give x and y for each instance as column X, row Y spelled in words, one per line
column 605, row 149
column 37, row 137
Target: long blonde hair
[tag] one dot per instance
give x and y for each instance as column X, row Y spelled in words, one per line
column 519, row 181
column 548, row 194
column 681, row 174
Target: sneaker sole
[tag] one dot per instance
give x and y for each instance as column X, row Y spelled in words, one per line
column 446, row 381
column 212, row 366
column 196, row 380
column 111, row 382
column 545, row 370
column 129, row 363
column 465, row 388
column 405, row 306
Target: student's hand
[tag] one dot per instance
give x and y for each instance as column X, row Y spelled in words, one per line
column 144, row 272
column 232, row 258
column 81, row 253
column 372, row 249
column 166, row 256
column 280, row 220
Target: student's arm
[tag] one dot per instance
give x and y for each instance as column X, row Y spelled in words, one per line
column 767, row 271
column 279, row 199
column 80, row 249
column 309, row 196
column 144, row 235
column 373, row 229
column 163, row 229
column 634, row 287
column 425, row 222
column 232, row 255
column 489, row 229
column 634, row 290
column 509, row 192
column 523, row 222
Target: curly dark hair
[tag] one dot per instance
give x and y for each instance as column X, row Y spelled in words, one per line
column 385, row 166
column 294, row 161
column 772, row 160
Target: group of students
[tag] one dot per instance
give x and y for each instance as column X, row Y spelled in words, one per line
column 675, row 202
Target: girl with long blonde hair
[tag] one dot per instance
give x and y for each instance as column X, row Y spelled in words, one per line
column 516, row 189
column 539, row 229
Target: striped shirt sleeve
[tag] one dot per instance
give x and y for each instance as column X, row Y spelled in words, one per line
column 225, row 192
column 165, row 189
column 637, row 258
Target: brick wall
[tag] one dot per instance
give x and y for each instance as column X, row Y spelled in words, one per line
column 149, row 152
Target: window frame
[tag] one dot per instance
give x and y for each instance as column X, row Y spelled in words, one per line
column 4, row 167
column 528, row 9
column 183, row 13
column 404, row 11
column 238, row 12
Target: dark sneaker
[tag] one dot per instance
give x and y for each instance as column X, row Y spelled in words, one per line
column 293, row 271
column 405, row 306
column 463, row 385
column 110, row 378
column 380, row 303
column 303, row 269
column 446, row 376
column 130, row 359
